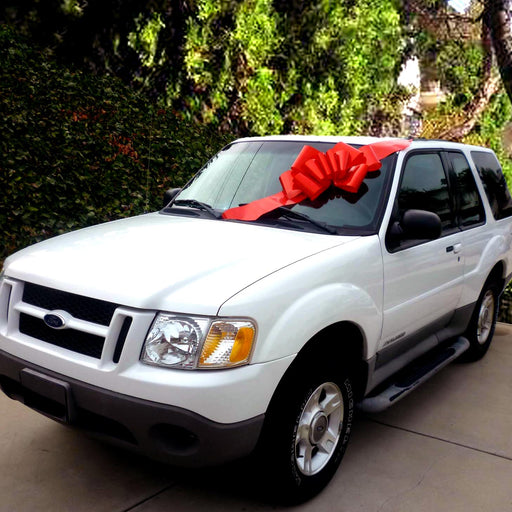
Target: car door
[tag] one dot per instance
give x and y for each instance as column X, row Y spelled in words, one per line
column 423, row 278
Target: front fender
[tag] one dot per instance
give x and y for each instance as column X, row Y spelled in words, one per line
column 314, row 312
column 296, row 303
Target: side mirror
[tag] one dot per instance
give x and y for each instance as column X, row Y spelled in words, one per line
column 420, row 225
column 170, row 195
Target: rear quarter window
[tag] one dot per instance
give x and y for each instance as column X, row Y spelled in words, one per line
column 470, row 207
column 494, row 183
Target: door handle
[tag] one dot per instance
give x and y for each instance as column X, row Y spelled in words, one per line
column 454, row 248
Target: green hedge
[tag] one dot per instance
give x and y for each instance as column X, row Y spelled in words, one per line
column 77, row 149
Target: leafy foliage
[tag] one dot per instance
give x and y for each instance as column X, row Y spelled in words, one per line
column 248, row 66
column 77, row 149
column 145, row 38
column 459, row 68
column 457, row 63
column 301, row 67
column 490, row 130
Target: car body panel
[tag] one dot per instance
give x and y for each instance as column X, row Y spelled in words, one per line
column 164, row 262
column 291, row 283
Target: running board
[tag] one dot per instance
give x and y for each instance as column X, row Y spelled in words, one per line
column 418, row 375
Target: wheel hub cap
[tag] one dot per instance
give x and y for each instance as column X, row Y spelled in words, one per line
column 485, row 317
column 319, row 428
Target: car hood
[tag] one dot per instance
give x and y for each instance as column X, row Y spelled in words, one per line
column 165, row 262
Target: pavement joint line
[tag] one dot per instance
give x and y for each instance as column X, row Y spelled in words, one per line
column 145, row 500
column 440, row 439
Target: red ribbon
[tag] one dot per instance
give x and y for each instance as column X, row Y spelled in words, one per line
column 313, row 172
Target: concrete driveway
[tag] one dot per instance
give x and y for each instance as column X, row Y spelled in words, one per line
column 446, row 447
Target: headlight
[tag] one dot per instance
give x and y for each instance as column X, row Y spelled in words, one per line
column 196, row 342
column 174, row 341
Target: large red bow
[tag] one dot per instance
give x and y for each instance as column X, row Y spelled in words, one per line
column 313, row 172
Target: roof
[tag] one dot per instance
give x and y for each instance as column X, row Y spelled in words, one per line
column 415, row 144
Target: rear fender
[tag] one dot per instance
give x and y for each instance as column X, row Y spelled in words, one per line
column 496, row 250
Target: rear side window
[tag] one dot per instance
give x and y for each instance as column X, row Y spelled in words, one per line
column 494, row 182
column 470, row 208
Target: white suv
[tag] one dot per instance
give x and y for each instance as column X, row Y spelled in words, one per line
column 249, row 315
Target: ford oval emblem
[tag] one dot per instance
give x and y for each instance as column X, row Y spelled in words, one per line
column 54, row 321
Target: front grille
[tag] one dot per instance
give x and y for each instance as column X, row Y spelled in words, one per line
column 71, row 339
column 84, row 308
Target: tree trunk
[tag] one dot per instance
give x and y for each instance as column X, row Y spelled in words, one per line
column 474, row 111
column 490, row 85
column 497, row 15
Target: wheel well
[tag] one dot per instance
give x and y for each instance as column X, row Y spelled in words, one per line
column 496, row 275
column 340, row 345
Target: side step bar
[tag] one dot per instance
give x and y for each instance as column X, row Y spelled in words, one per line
column 407, row 382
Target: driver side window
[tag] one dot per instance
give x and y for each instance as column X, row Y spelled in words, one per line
column 424, row 186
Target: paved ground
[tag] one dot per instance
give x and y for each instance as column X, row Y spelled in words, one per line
column 446, row 447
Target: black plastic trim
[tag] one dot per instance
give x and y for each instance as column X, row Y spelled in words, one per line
column 163, row 432
column 393, row 351
column 122, row 338
column 450, row 325
column 397, row 355
column 8, row 303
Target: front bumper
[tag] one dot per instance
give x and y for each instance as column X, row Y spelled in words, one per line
column 163, row 432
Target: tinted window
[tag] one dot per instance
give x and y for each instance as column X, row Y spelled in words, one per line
column 425, row 187
column 471, row 211
column 494, row 183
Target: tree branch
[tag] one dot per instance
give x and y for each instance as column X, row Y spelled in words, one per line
column 497, row 16
column 474, row 110
column 489, row 85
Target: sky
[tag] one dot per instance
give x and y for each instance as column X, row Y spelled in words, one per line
column 459, row 5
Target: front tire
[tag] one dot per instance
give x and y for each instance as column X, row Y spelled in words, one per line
column 305, row 434
column 483, row 322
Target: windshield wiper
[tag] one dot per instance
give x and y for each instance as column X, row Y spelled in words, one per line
column 285, row 212
column 194, row 203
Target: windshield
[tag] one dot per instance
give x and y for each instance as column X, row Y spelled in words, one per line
column 245, row 171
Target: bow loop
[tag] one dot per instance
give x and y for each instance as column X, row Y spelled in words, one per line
column 353, row 178
column 343, row 164
column 288, row 184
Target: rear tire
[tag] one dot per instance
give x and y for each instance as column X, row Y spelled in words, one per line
column 483, row 322
column 305, row 433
